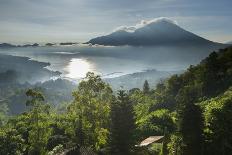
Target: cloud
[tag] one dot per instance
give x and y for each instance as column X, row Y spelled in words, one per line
column 144, row 23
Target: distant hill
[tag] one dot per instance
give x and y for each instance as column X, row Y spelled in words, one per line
column 230, row 42
column 30, row 45
column 7, row 45
column 68, row 43
column 22, row 69
column 50, row 44
column 158, row 32
column 137, row 79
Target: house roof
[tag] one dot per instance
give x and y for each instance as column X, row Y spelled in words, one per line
column 150, row 140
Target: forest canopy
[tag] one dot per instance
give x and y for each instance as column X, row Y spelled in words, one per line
column 191, row 110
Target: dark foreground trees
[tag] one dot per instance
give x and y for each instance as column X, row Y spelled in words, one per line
column 122, row 125
column 190, row 123
column 191, row 129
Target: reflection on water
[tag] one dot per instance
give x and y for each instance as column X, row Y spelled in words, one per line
column 77, row 68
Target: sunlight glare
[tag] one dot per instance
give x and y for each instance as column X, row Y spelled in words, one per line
column 78, row 68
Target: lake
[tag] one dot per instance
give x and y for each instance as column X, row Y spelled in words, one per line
column 75, row 61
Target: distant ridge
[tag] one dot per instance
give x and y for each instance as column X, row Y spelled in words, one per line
column 7, row 45
column 230, row 42
column 161, row 31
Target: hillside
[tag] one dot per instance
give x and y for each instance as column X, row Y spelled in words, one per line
column 22, row 69
column 208, row 79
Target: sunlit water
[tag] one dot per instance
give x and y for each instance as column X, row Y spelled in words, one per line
column 75, row 62
column 77, row 68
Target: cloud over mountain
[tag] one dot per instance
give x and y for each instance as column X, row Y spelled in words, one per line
column 144, row 23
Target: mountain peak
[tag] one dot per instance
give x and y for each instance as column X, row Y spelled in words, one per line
column 159, row 31
column 161, row 20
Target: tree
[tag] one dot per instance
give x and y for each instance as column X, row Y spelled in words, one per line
column 155, row 123
column 90, row 110
column 146, row 87
column 40, row 131
column 11, row 143
column 218, row 124
column 3, row 112
column 191, row 129
column 141, row 104
column 122, row 125
column 175, row 145
column 190, row 121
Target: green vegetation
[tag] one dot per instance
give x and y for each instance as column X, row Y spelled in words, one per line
column 90, row 112
column 192, row 111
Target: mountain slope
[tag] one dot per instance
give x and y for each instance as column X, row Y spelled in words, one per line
column 158, row 32
column 230, row 42
column 210, row 78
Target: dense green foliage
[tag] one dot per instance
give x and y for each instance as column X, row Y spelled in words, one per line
column 192, row 110
column 218, row 124
column 90, row 111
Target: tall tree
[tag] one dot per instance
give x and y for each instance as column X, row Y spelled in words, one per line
column 146, row 87
column 3, row 112
column 122, row 125
column 190, row 122
column 191, row 128
column 40, row 131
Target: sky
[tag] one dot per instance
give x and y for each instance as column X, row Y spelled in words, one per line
column 23, row 21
